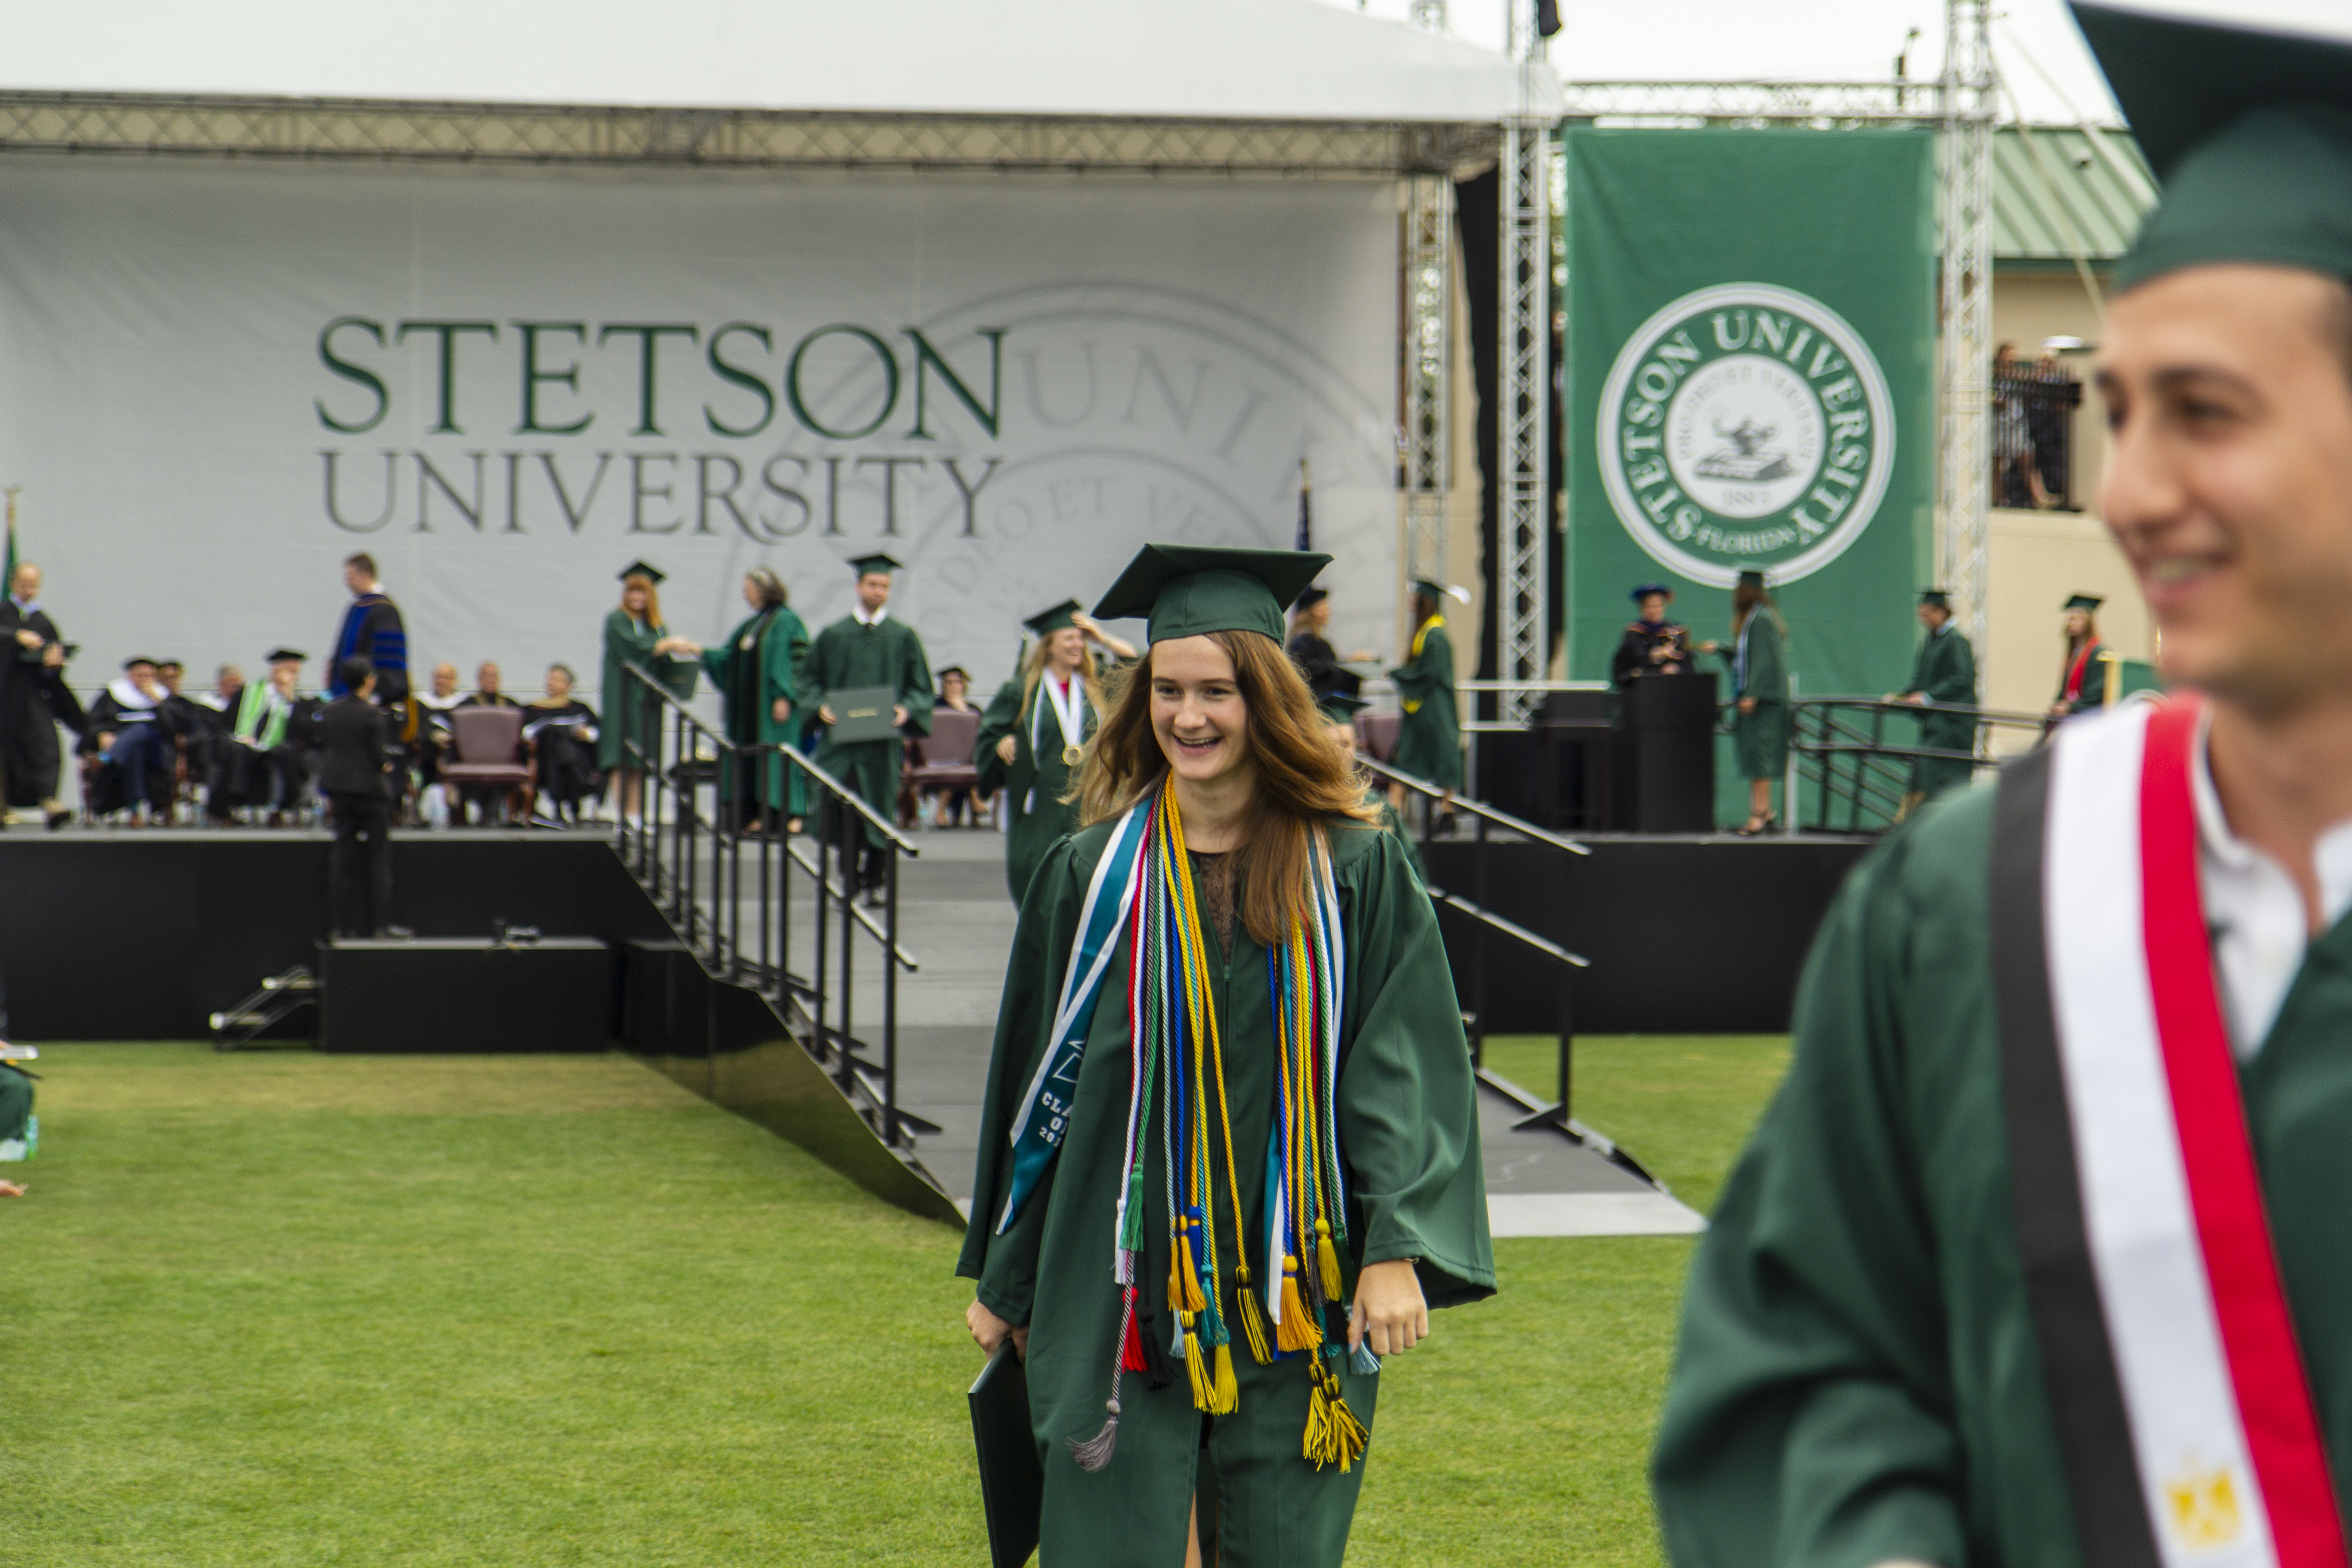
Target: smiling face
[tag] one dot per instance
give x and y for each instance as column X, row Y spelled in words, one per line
column 633, row 599
column 1064, row 649
column 2230, row 484
column 1198, row 714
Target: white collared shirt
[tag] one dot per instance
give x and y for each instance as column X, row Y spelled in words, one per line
column 859, row 614
column 2254, row 911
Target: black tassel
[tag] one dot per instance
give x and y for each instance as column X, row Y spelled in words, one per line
column 1159, row 1371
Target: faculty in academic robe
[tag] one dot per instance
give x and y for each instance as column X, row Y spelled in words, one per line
column 1652, row 645
column 127, row 742
column 1943, row 677
column 370, row 630
column 1035, row 730
column 558, row 732
column 34, row 701
column 2081, row 678
column 1310, row 648
column 264, row 756
column 870, row 648
column 636, row 639
column 1429, row 739
column 1314, row 1116
column 757, row 669
column 1760, row 684
column 2039, row 1258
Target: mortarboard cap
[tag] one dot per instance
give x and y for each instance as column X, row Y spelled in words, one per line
column 1310, row 596
column 2083, row 601
column 2248, row 121
column 1187, row 590
column 1342, row 708
column 653, row 574
column 284, row 655
column 1645, row 591
column 136, row 660
column 1940, row 597
column 1752, row 578
column 955, row 670
column 1045, row 623
column 867, row 566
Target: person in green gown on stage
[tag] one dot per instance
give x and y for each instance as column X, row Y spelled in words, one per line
column 1312, row 1188
column 1429, row 741
column 1943, row 677
column 636, row 639
column 2083, row 676
column 1034, row 732
column 1759, row 686
column 2039, row 1256
column 757, row 669
column 868, row 647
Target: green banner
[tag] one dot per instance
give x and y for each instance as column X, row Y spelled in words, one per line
column 1751, row 383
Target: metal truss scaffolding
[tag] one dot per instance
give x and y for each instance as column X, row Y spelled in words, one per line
column 1967, row 93
column 1428, row 372
column 1523, row 323
column 363, row 129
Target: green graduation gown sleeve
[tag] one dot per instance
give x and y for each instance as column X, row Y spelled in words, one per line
column 1408, row 1136
column 629, row 643
column 1760, row 738
column 996, row 722
column 1429, row 741
column 1944, row 673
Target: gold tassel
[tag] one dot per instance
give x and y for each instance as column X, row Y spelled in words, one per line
column 1298, row 1330
column 1196, row 1364
column 1225, row 1395
column 1334, row 1436
column 1329, row 1257
column 1183, row 1279
column 1252, row 1312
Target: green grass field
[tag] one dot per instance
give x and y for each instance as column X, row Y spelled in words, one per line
column 279, row 1309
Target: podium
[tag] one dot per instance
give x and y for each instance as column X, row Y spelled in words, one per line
column 1665, row 754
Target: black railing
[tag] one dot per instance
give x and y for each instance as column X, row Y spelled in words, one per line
column 1839, row 745
column 1491, row 927
column 693, row 851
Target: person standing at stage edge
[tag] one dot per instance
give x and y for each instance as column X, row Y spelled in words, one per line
column 2081, row 679
column 757, row 669
column 34, row 701
column 1429, row 741
column 2038, row 1257
column 1943, row 676
column 1293, row 1166
column 634, row 638
column 1035, row 733
column 371, row 630
column 869, row 648
column 1759, row 685
column 355, row 765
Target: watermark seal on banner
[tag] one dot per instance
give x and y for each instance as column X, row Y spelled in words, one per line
column 1746, row 427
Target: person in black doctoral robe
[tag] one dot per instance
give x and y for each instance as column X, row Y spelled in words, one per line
column 1310, row 648
column 1652, row 644
column 560, row 733
column 34, row 699
column 264, row 756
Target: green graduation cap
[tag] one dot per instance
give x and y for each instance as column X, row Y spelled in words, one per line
column 2082, row 601
column 1751, row 579
column 1342, row 708
column 2248, row 127
column 1940, row 597
column 1045, row 623
column 868, row 565
column 1187, row 590
column 651, row 574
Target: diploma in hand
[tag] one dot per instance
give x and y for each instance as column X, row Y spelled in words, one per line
column 862, row 714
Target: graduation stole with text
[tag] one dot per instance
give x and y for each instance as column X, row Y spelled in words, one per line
column 2175, row 1379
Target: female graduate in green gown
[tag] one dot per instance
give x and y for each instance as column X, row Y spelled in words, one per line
column 1760, row 684
column 757, row 669
column 1429, row 741
column 636, row 637
column 1035, row 730
column 1229, row 1155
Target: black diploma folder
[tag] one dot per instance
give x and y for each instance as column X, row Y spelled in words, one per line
column 1011, row 1483
column 862, row 713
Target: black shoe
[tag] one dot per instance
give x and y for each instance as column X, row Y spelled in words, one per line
column 394, row 933
column 1444, row 827
column 58, row 819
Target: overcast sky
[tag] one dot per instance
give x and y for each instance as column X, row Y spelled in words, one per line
column 1797, row 40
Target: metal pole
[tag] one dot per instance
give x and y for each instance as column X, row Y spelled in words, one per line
column 890, row 1000
column 1429, row 370
column 1967, row 104
column 1523, row 325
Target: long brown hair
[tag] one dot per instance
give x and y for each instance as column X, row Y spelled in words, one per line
column 653, row 597
column 1303, row 776
column 1032, row 671
column 1747, row 598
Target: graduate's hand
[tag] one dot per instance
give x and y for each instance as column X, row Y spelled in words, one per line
column 897, row 715
column 1747, row 705
column 53, row 656
column 1008, row 748
column 1390, row 1313
column 30, row 638
column 11, row 1190
column 783, row 709
column 989, row 1330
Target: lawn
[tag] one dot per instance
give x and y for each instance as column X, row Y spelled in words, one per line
column 279, row 1309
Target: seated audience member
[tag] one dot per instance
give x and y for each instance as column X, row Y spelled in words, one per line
column 265, row 757
column 127, row 751
column 950, row 806
column 560, row 733
column 213, row 716
column 485, row 692
column 433, row 738
column 184, row 729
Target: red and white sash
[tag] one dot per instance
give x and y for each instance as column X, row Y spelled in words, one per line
column 2168, row 1258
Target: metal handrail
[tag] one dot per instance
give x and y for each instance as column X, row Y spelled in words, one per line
column 1840, row 743
column 1477, row 808
column 675, row 843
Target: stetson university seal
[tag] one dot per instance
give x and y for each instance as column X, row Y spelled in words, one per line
column 1746, row 425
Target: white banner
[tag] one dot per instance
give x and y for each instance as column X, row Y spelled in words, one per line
column 218, row 380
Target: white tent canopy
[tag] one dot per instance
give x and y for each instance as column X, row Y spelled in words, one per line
column 1182, row 59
